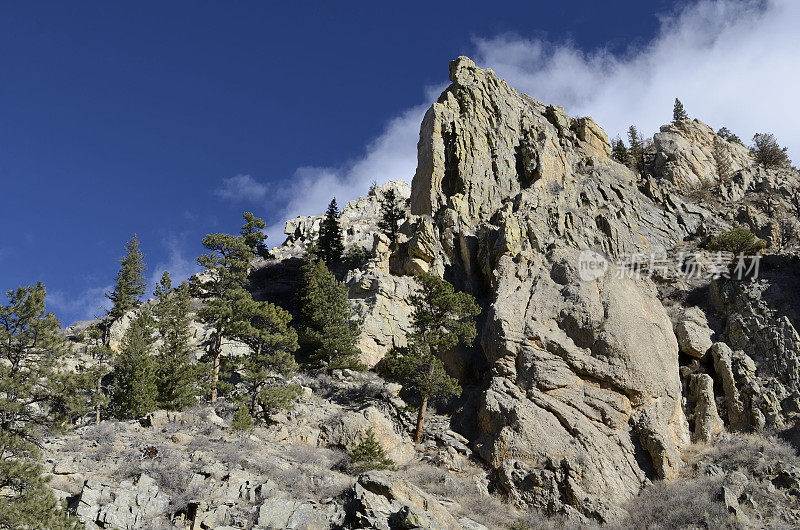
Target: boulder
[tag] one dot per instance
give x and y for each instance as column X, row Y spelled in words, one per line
column 693, row 334
column 382, row 500
column 348, row 429
column 281, row 513
column 707, row 422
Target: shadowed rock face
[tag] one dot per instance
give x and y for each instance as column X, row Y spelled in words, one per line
column 583, row 401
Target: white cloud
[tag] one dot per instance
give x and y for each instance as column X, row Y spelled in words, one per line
column 392, row 155
column 88, row 304
column 241, row 188
column 178, row 264
column 732, row 63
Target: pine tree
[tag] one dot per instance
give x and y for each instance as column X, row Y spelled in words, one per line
column 727, row 135
column 369, row 454
column 442, row 319
column 330, row 243
column 391, row 215
column 767, row 153
column 242, row 420
column 36, row 397
column 254, row 237
column 227, row 266
column 101, row 355
column 442, row 316
column 130, row 282
column 177, row 377
column 636, row 149
column 329, row 331
column 264, row 327
column 134, row 392
column 721, row 159
column 678, row 112
column 619, row 152
column 419, row 371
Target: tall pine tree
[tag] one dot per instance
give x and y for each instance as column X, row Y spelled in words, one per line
column 227, row 266
column 134, row 392
column 329, row 330
column 265, row 328
column 177, row 377
column 130, row 282
column 37, row 396
column 619, row 152
column 330, row 243
column 678, row 112
column 391, row 215
column 636, row 149
column 442, row 319
column 101, row 356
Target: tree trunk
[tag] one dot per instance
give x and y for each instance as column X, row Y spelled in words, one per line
column 217, row 359
column 97, row 407
column 254, row 400
column 420, row 420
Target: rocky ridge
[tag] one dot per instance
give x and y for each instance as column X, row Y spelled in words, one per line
column 580, row 393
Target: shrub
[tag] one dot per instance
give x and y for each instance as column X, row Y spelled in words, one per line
column 738, row 241
column 684, row 504
column 369, row 454
column 242, row 421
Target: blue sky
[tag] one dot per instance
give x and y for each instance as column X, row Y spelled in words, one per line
column 168, row 119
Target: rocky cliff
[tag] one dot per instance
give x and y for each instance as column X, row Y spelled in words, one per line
column 581, row 390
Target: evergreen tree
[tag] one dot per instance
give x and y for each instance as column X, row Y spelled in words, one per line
column 329, row 331
column 726, row 134
column 330, row 243
column 767, row 153
column 678, row 112
column 264, row 327
column 636, row 149
column 134, row 392
column 391, row 215
column 130, row 282
column 254, row 237
column 721, row 159
column 177, row 377
column 619, row 152
column 369, row 454
column 36, row 397
column 101, row 355
column 242, row 420
column 442, row 318
column 227, row 266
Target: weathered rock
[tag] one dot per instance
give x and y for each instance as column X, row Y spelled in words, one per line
column 756, row 317
column 588, row 370
column 685, row 154
column 347, row 429
column 750, row 403
column 280, row 513
column 383, row 500
column 704, row 415
column 693, row 333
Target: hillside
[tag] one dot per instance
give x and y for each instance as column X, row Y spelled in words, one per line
column 623, row 373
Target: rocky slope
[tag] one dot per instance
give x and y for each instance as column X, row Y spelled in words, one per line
column 581, row 391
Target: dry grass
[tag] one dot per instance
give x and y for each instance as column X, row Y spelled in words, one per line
column 694, row 501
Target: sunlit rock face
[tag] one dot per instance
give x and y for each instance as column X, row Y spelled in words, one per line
column 583, row 401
